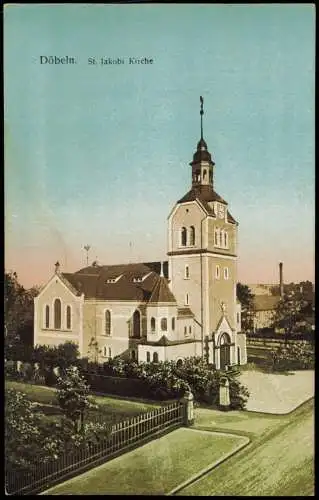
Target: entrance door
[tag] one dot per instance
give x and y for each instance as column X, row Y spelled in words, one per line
column 224, row 351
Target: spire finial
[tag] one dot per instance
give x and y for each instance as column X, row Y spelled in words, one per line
column 201, row 116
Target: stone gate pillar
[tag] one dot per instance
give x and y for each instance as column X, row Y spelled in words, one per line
column 188, row 401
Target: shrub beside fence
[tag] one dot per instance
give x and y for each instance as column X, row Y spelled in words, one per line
column 119, row 386
column 123, row 436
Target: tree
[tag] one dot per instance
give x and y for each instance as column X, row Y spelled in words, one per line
column 292, row 310
column 246, row 298
column 18, row 310
column 22, row 430
column 73, row 397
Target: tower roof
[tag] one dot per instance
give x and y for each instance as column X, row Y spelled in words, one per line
column 161, row 292
column 202, row 153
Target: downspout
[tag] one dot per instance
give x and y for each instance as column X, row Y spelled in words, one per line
column 201, row 286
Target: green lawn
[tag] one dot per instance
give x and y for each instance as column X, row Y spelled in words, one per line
column 155, row 468
column 114, row 410
column 245, row 423
column 280, row 463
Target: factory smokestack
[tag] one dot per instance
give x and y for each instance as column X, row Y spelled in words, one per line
column 281, row 281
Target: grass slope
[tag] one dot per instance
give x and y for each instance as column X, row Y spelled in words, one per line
column 155, row 468
column 279, row 464
column 112, row 409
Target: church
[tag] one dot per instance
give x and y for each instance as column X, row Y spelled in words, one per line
column 157, row 311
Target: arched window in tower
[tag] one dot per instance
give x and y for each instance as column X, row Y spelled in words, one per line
column 183, row 236
column 153, row 325
column 107, row 325
column 216, row 237
column 221, row 238
column 47, row 316
column 204, row 175
column 68, row 317
column 57, row 314
column 225, row 239
column 192, row 236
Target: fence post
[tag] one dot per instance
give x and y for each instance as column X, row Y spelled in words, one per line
column 224, row 399
column 188, row 402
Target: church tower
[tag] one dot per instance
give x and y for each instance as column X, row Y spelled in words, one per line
column 202, row 253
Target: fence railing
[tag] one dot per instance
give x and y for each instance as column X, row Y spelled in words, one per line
column 123, row 435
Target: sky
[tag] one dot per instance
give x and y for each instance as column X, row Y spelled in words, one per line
column 99, row 154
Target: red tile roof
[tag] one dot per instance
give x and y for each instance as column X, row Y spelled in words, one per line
column 265, row 302
column 137, row 282
column 206, row 194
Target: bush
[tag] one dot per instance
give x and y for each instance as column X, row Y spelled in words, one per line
column 165, row 380
column 293, row 356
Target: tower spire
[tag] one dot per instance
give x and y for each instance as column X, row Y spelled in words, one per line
column 201, row 116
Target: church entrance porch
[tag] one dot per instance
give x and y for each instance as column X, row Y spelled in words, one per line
column 224, row 351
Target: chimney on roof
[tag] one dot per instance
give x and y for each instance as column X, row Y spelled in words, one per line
column 57, row 267
column 281, row 282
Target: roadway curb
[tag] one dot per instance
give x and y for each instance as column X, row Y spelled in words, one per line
column 212, row 465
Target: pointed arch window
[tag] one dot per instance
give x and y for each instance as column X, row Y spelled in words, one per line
column 164, row 324
column 68, row 317
column 173, row 324
column 148, row 357
column 183, row 236
column 47, row 316
column 204, row 174
column 153, row 324
column 57, row 314
column 192, row 235
column 107, row 322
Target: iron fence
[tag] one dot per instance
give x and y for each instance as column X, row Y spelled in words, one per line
column 123, row 435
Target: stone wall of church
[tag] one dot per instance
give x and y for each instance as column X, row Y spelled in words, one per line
column 48, row 334
column 119, row 339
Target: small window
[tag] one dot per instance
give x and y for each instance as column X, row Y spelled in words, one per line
column 185, row 330
column 190, row 330
column 155, row 357
column 225, row 239
column 164, row 324
column 204, row 175
column 104, row 351
column 57, row 314
column 47, row 316
column 226, row 273
column 186, row 299
column 173, row 324
column 68, row 317
column 186, row 272
column 221, row 238
column 217, row 272
column 192, row 236
column 148, row 357
column 107, row 325
column 183, row 236
column 153, row 324
column 133, row 355
column 216, row 237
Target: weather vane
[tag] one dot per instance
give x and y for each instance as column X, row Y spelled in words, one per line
column 201, row 116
